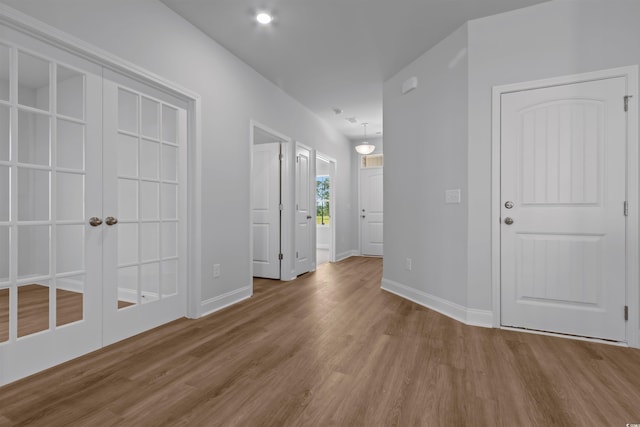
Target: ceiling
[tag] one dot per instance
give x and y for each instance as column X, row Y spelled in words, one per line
column 335, row 53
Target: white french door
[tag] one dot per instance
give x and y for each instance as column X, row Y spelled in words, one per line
column 92, row 206
column 371, row 211
column 304, row 215
column 563, row 188
column 143, row 192
column 50, row 179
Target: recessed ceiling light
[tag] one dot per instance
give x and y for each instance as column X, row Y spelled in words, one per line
column 264, row 18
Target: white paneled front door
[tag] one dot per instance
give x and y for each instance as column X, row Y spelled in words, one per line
column 50, row 185
column 371, row 211
column 563, row 187
column 265, row 209
column 304, row 215
column 144, row 195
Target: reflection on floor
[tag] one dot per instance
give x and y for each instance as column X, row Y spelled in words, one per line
column 33, row 309
column 322, row 256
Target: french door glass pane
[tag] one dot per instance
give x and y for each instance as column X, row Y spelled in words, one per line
column 33, row 308
column 33, row 81
column 69, row 299
column 150, row 281
column 149, row 200
column 127, row 286
column 5, row 67
column 127, row 243
column 150, row 240
column 33, row 194
column 169, row 201
column 5, row 249
column 70, row 196
column 5, row 131
column 33, row 251
column 5, row 191
column 149, row 159
column 150, row 118
column 70, row 145
column 127, row 111
column 169, row 124
column 127, row 199
column 33, row 138
column 4, row 314
column 70, row 86
column 127, row 156
column 169, row 277
column 169, row 239
column 69, row 248
column 169, row 163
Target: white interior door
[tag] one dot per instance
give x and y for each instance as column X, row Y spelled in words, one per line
column 265, row 213
column 50, row 174
column 144, row 208
column 563, row 187
column 304, row 211
column 371, row 211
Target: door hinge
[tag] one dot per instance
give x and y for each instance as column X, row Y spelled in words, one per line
column 280, row 156
column 626, row 102
column 281, row 207
column 296, row 255
column 280, row 257
column 626, row 313
column 297, row 159
column 626, row 208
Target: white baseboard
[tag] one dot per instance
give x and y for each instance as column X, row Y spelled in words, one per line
column 225, row 300
column 468, row 316
column 346, row 254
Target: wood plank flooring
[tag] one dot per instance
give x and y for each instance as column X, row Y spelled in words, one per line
column 332, row 348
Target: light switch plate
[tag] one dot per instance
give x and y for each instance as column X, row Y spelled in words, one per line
column 452, row 196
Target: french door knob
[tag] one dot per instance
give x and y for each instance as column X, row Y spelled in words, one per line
column 111, row 220
column 508, row 220
column 95, row 221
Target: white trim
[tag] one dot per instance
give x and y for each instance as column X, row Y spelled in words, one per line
column 53, row 36
column 225, row 300
column 472, row 317
column 633, row 290
column 347, row 254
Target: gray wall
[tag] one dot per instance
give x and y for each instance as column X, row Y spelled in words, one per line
column 148, row 34
column 426, row 142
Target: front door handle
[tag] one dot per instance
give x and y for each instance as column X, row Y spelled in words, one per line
column 95, row 221
column 111, row 220
column 508, row 220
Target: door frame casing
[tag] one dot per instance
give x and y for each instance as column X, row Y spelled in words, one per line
column 286, row 192
column 57, row 38
column 630, row 73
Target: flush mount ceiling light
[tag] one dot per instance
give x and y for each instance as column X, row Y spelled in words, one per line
column 264, row 18
column 364, row 147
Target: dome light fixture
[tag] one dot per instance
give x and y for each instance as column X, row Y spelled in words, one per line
column 264, row 18
column 364, row 147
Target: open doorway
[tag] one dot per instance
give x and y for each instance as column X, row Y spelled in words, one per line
column 325, row 208
column 267, row 154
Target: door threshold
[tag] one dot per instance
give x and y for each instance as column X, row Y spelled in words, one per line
column 568, row 336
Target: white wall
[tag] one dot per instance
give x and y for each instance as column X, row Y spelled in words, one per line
column 552, row 39
column 148, row 34
column 439, row 136
column 425, row 132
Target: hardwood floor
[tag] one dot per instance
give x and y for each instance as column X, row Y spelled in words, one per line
column 332, row 348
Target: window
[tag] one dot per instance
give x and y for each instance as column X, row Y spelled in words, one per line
column 372, row 161
column 322, row 200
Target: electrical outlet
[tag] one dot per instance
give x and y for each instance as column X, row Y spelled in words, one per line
column 216, row 271
column 452, row 196
column 407, row 264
